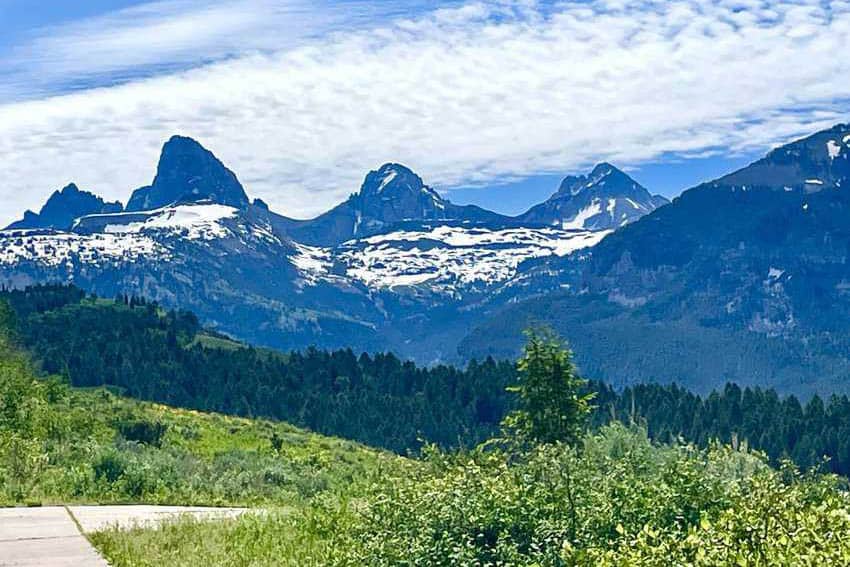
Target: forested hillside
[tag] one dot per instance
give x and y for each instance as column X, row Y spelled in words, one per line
column 542, row 493
column 164, row 356
column 378, row 399
column 65, row 445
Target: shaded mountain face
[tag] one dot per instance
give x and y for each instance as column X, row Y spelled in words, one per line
column 813, row 164
column 188, row 172
column 394, row 193
column 388, row 196
column 63, row 207
column 605, row 199
column 746, row 279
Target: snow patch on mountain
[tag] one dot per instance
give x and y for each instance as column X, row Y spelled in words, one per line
column 52, row 249
column 313, row 263
column 388, row 178
column 119, row 238
column 448, row 258
column 833, row 149
column 595, row 208
column 195, row 222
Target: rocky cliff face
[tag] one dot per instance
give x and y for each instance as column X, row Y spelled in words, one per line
column 188, row 172
column 64, row 207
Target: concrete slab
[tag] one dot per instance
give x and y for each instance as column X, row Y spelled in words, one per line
column 44, row 537
column 49, row 536
column 97, row 518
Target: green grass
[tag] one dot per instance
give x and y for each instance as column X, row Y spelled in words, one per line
column 203, row 459
column 213, row 341
column 621, row 501
column 61, row 445
column 278, row 538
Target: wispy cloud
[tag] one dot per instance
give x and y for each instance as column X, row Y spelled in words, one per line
column 170, row 35
column 466, row 95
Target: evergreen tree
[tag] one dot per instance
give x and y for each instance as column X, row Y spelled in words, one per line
column 553, row 404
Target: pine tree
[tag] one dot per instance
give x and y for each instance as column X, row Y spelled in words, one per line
column 553, row 403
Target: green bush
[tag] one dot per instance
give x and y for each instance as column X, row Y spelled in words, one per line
column 142, row 431
column 110, row 466
column 620, row 501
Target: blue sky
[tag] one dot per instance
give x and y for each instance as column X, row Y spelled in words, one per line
column 491, row 101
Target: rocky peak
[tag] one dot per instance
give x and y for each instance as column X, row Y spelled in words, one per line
column 606, row 198
column 64, row 206
column 395, row 193
column 604, row 181
column 188, row 172
column 393, row 181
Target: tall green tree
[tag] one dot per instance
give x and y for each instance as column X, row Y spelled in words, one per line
column 7, row 319
column 553, row 404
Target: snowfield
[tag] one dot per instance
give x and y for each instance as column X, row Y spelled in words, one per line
column 127, row 237
column 195, row 222
column 52, row 249
column 445, row 258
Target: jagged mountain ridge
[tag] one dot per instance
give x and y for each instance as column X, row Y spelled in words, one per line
column 64, row 207
column 741, row 279
column 744, row 278
column 605, row 199
column 193, row 239
column 389, row 195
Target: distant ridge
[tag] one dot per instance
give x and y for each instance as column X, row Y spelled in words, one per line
column 63, row 207
column 605, row 199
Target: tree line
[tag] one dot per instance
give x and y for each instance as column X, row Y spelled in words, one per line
column 166, row 356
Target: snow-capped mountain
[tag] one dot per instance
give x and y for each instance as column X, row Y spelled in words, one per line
column 745, row 279
column 605, row 199
column 390, row 195
column 394, row 258
column 754, row 264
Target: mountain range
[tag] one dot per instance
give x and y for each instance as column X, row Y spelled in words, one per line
column 744, row 278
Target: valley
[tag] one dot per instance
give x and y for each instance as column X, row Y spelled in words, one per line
column 745, row 264
column 314, row 500
column 453, row 283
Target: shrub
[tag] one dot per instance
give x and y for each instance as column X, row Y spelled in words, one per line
column 142, row 431
column 109, row 466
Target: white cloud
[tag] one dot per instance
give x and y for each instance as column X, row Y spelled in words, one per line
column 467, row 95
column 162, row 35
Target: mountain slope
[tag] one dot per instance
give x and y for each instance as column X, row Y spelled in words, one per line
column 605, row 199
column 72, row 445
column 230, row 263
column 749, row 274
column 394, row 261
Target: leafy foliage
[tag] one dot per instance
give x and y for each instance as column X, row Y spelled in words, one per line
column 142, row 431
column 553, row 403
column 635, row 504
